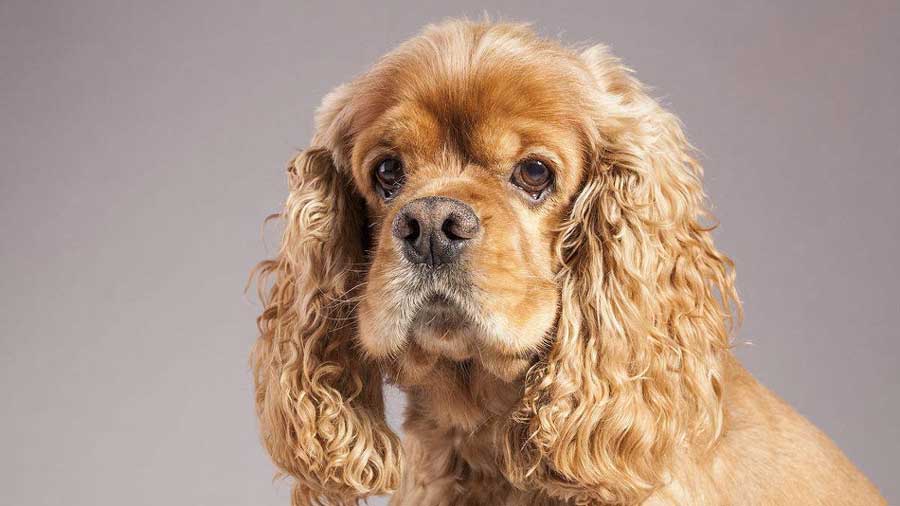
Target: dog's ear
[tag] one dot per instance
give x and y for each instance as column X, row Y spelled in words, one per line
column 319, row 403
column 646, row 309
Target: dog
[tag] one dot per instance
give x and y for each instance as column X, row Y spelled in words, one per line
column 514, row 233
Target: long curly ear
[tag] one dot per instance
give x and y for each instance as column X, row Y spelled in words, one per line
column 320, row 405
column 635, row 369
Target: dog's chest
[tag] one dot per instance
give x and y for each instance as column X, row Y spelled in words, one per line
column 454, row 460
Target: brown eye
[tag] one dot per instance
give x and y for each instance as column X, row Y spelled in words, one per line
column 389, row 177
column 533, row 176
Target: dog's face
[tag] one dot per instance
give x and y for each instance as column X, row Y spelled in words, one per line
column 466, row 179
column 482, row 196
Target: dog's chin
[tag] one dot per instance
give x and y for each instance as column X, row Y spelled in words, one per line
column 444, row 333
column 441, row 327
column 417, row 326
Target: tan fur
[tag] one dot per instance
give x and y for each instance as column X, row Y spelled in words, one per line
column 589, row 360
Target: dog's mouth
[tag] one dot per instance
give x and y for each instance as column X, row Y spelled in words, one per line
column 441, row 326
column 440, row 314
column 447, row 330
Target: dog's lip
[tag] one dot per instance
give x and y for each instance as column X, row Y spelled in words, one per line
column 439, row 311
column 439, row 301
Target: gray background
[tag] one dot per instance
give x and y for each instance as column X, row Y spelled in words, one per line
column 142, row 144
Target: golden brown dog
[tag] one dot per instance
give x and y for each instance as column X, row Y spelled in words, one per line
column 514, row 233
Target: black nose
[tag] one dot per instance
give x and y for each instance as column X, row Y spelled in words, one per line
column 435, row 230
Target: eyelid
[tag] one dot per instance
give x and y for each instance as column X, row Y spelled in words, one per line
column 551, row 167
column 543, row 155
column 376, row 156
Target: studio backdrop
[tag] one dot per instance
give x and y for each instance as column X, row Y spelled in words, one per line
column 143, row 143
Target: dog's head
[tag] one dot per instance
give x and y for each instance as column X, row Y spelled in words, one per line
column 485, row 196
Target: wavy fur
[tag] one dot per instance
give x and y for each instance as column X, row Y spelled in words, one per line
column 586, row 359
column 320, row 408
column 635, row 370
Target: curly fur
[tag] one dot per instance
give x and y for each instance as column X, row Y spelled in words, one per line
column 322, row 415
column 635, row 369
column 594, row 367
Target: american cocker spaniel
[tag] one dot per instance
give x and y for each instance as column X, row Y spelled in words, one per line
column 514, row 233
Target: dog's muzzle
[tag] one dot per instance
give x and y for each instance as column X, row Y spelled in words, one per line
column 435, row 230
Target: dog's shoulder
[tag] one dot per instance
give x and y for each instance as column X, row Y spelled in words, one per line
column 770, row 454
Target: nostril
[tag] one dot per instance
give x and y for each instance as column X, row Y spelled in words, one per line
column 460, row 226
column 412, row 230
column 406, row 227
column 450, row 229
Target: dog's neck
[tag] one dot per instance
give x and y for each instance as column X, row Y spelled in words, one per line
column 461, row 397
column 460, row 391
column 455, row 413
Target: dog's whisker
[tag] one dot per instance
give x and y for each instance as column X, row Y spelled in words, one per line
column 515, row 233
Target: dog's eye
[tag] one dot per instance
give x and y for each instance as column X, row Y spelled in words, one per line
column 389, row 177
column 533, row 176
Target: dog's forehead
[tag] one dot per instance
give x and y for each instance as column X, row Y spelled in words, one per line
column 482, row 136
column 483, row 111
